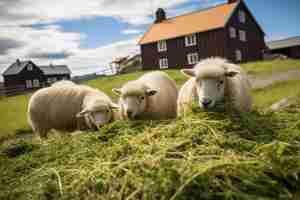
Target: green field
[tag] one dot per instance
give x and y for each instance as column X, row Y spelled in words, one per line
column 205, row 155
column 268, row 67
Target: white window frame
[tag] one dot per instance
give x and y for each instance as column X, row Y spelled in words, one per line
column 242, row 16
column 29, row 67
column 28, row 84
column 163, row 63
column 162, row 45
column 232, row 32
column 242, row 35
column 238, row 55
column 36, row 83
column 190, row 40
column 193, row 58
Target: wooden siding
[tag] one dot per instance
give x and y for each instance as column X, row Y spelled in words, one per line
column 15, row 84
column 253, row 48
column 291, row 52
column 209, row 44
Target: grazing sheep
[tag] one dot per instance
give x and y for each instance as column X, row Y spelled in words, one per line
column 67, row 107
column 152, row 96
column 215, row 81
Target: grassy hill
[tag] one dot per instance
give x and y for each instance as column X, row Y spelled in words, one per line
column 206, row 155
column 14, row 122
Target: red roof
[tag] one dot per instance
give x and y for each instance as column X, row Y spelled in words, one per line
column 194, row 22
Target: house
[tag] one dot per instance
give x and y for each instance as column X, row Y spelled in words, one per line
column 289, row 47
column 228, row 30
column 126, row 64
column 25, row 75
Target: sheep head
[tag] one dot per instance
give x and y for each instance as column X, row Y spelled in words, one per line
column 211, row 78
column 134, row 98
column 98, row 112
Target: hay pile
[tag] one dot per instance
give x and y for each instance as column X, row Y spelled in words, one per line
column 202, row 156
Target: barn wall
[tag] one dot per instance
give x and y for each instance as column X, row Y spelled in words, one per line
column 209, row 44
column 252, row 49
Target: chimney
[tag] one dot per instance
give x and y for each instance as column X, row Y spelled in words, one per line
column 160, row 15
column 232, row 1
column 18, row 61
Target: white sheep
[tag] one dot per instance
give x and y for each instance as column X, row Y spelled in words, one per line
column 152, row 96
column 212, row 82
column 68, row 107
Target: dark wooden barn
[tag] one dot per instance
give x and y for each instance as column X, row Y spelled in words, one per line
column 24, row 76
column 289, row 47
column 228, row 30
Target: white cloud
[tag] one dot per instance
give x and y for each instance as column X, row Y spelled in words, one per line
column 131, row 31
column 21, row 40
column 36, row 11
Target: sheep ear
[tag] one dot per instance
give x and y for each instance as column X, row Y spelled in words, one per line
column 117, row 91
column 151, row 92
column 188, row 72
column 82, row 113
column 231, row 73
column 114, row 106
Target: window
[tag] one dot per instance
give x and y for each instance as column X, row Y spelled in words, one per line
column 242, row 35
column 190, row 40
column 28, row 84
column 232, row 32
column 238, row 55
column 36, row 83
column 162, row 46
column 242, row 16
column 51, row 80
column 192, row 58
column 29, row 67
column 163, row 63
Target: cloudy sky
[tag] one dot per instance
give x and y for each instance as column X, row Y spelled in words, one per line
column 88, row 34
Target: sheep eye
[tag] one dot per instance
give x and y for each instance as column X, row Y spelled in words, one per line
column 142, row 98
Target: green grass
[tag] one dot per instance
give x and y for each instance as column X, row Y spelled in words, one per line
column 268, row 67
column 205, row 155
column 13, row 109
column 272, row 94
column 202, row 156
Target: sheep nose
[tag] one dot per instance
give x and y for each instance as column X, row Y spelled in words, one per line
column 206, row 102
column 129, row 113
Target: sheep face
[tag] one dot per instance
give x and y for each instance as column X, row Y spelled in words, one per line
column 210, row 89
column 98, row 112
column 134, row 102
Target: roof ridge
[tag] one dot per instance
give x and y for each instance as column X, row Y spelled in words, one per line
column 288, row 38
column 200, row 10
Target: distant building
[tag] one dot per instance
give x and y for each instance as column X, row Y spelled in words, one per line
column 228, row 30
column 289, row 47
column 25, row 75
column 126, row 64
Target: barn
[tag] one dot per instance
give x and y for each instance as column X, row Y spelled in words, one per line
column 227, row 30
column 22, row 76
column 289, row 47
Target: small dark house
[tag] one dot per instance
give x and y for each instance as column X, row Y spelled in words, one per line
column 228, row 30
column 289, row 47
column 25, row 75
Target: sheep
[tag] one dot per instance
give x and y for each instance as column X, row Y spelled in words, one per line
column 67, row 107
column 214, row 81
column 152, row 96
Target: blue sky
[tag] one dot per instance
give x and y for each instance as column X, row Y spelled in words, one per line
column 87, row 35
